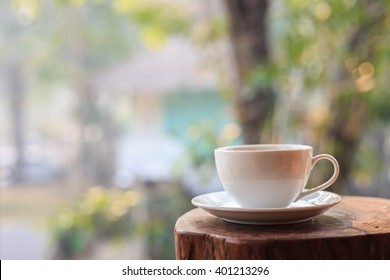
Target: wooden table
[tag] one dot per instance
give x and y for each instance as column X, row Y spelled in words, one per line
column 356, row 228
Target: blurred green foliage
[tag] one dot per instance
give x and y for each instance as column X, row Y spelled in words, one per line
column 100, row 214
column 340, row 48
column 105, row 214
column 77, row 38
column 165, row 203
column 205, row 136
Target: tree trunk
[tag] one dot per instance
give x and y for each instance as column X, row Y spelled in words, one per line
column 96, row 150
column 16, row 98
column 248, row 32
column 96, row 156
column 356, row 228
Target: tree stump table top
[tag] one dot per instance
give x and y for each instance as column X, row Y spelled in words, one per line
column 356, row 228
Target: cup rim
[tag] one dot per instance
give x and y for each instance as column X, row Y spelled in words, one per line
column 263, row 148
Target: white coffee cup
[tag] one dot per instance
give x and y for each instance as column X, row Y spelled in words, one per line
column 269, row 176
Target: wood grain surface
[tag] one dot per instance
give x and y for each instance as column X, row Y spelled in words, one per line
column 356, row 228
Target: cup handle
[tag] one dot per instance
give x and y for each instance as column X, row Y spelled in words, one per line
column 336, row 170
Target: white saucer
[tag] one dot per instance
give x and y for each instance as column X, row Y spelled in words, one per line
column 221, row 204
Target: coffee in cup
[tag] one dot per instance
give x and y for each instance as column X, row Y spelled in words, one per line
column 269, row 176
